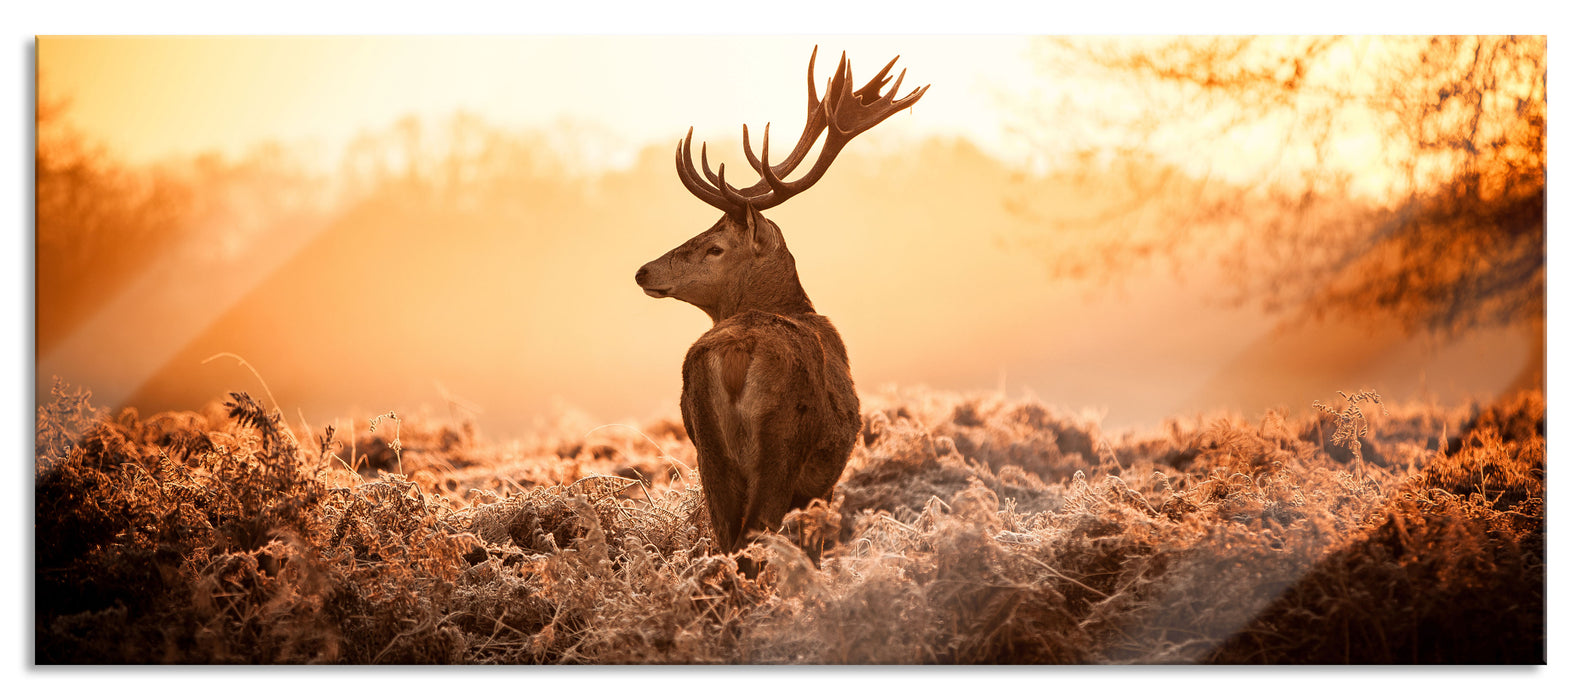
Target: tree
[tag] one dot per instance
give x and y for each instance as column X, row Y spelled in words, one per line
column 1405, row 175
column 101, row 224
column 96, row 222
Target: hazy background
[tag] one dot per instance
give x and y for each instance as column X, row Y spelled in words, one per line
column 453, row 223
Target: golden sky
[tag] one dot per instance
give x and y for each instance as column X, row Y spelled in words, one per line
column 154, row 97
column 375, row 311
column 149, row 98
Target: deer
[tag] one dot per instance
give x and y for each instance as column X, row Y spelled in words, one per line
column 767, row 394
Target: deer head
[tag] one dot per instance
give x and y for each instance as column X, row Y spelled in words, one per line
column 741, row 262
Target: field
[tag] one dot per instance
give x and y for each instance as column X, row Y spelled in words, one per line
column 966, row 530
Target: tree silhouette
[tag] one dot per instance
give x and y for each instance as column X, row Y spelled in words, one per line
column 96, row 221
column 103, row 224
column 1407, row 179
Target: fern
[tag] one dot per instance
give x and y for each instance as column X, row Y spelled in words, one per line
column 1351, row 426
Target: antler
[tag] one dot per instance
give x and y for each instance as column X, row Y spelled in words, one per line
column 843, row 112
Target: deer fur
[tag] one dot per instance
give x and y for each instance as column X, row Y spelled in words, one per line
column 767, row 395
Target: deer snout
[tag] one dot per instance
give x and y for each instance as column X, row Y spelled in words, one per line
column 645, row 280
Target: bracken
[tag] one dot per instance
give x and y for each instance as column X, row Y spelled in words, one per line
column 966, row 530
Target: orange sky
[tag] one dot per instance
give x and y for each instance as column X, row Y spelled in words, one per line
column 152, row 97
column 374, row 312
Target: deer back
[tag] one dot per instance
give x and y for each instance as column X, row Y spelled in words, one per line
column 769, row 402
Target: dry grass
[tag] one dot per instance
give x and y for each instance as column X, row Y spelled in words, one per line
column 966, row 530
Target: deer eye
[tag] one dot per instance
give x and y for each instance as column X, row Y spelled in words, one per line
column 716, row 250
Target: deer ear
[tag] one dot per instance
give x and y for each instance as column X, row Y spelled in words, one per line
column 749, row 221
column 763, row 233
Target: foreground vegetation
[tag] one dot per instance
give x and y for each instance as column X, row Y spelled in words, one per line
column 966, row 530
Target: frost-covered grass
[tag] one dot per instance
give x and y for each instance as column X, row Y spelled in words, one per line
column 965, row 530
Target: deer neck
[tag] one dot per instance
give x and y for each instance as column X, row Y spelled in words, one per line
column 771, row 285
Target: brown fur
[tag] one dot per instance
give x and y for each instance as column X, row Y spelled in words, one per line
column 733, row 370
column 767, row 395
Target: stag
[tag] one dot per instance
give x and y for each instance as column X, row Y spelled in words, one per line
column 767, row 394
